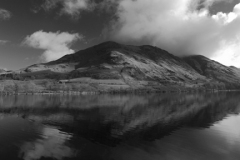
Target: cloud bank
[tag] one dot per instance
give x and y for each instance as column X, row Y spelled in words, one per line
column 5, row 14
column 179, row 27
column 54, row 44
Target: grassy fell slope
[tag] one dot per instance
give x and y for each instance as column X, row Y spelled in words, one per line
column 111, row 66
column 215, row 72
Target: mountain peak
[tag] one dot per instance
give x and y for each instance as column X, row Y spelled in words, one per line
column 108, row 44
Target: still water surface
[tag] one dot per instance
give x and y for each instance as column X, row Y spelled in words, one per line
column 120, row 127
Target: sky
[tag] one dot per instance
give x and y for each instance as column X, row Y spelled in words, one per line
column 38, row 31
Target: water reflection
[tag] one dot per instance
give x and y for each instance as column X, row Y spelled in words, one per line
column 120, row 127
column 52, row 145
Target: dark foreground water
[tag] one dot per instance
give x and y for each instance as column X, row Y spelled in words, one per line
column 120, row 127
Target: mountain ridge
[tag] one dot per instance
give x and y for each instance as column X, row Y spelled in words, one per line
column 112, row 66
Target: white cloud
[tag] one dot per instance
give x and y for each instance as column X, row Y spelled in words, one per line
column 52, row 146
column 3, row 42
column 55, row 44
column 69, row 7
column 178, row 27
column 5, row 14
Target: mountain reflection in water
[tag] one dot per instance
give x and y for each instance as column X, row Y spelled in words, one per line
column 120, row 127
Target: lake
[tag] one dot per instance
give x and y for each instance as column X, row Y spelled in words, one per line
column 120, row 127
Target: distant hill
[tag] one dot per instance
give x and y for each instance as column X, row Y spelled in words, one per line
column 113, row 66
column 3, row 70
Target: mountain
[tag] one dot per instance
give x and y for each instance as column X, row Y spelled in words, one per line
column 113, row 66
column 215, row 71
column 3, row 71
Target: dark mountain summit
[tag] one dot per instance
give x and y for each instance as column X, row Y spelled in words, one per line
column 111, row 66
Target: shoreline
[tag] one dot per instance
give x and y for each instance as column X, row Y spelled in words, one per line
column 113, row 92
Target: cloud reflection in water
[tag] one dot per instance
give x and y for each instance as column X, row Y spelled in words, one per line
column 51, row 146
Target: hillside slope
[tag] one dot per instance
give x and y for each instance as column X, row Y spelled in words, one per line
column 113, row 66
column 216, row 72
